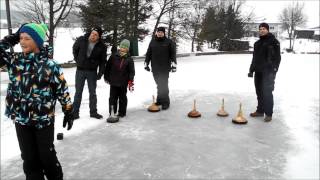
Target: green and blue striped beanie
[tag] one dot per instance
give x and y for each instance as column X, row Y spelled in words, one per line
column 36, row 31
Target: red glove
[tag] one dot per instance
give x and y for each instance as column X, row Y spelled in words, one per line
column 130, row 86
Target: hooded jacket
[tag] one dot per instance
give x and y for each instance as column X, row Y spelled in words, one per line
column 119, row 70
column 35, row 83
column 161, row 52
column 266, row 54
column 96, row 59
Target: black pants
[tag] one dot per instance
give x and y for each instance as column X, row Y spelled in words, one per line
column 118, row 93
column 81, row 77
column 38, row 153
column 161, row 79
column 264, row 83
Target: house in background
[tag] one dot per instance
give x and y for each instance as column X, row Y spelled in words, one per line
column 252, row 29
column 307, row 33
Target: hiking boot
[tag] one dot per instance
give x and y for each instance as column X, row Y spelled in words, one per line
column 165, row 106
column 256, row 114
column 96, row 115
column 76, row 116
column 267, row 118
column 121, row 115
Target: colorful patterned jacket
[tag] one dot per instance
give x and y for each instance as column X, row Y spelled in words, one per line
column 36, row 82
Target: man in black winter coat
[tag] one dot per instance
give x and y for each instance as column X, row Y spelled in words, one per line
column 162, row 55
column 90, row 54
column 265, row 64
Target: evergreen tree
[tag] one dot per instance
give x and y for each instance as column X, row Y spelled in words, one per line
column 221, row 24
column 119, row 18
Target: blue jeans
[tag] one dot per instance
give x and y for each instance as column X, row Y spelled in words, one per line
column 81, row 77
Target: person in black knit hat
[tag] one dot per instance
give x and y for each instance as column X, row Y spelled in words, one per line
column 265, row 64
column 90, row 54
column 162, row 55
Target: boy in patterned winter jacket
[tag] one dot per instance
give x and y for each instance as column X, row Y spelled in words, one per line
column 36, row 82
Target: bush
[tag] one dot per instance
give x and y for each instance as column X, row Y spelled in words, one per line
column 233, row 45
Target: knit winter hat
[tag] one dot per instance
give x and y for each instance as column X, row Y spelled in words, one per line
column 98, row 29
column 161, row 29
column 265, row 25
column 125, row 44
column 36, row 31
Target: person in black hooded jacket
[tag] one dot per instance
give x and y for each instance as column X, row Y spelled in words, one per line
column 90, row 54
column 119, row 73
column 265, row 64
column 162, row 55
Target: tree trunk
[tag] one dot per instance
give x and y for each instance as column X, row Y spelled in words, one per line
column 114, row 23
column 136, row 18
column 51, row 23
column 192, row 44
column 8, row 17
column 159, row 17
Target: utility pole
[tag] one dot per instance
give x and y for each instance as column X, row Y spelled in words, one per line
column 8, row 17
column 9, row 20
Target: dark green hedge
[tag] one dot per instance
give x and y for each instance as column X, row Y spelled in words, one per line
column 233, row 45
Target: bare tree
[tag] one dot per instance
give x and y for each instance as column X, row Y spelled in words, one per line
column 291, row 17
column 191, row 20
column 52, row 12
column 166, row 6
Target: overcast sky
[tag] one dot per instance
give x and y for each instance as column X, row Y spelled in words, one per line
column 270, row 9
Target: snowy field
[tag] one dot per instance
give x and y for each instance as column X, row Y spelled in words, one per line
column 65, row 37
column 169, row 145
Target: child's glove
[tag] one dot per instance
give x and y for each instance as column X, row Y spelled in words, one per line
column 68, row 119
column 14, row 38
column 173, row 67
column 250, row 74
column 130, row 86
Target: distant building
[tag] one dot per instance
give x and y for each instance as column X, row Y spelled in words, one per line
column 307, row 33
column 252, row 29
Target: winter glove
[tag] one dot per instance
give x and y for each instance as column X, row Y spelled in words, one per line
column 173, row 67
column 48, row 51
column 250, row 74
column 130, row 86
column 68, row 119
column 14, row 38
column 99, row 76
column 275, row 70
column 146, row 67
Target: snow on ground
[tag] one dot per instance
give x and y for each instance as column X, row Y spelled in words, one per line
column 170, row 145
column 65, row 38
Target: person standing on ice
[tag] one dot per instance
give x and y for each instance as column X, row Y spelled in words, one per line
column 162, row 55
column 36, row 82
column 89, row 52
column 265, row 64
column 119, row 74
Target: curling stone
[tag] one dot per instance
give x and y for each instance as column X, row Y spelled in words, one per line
column 240, row 119
column 153, row 107
column 112, row 118
column 60, row 136
column 222, row 112
column 194, row 113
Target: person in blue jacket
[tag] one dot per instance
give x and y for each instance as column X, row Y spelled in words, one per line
column 36, row 82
